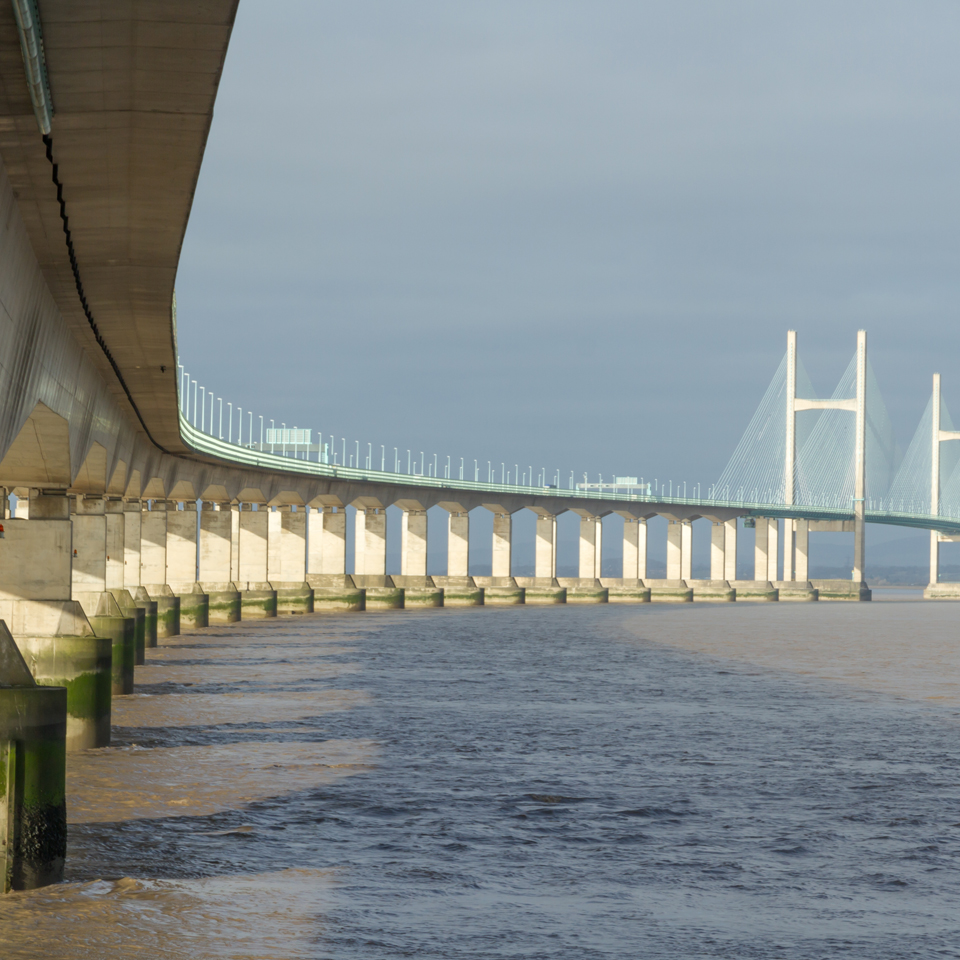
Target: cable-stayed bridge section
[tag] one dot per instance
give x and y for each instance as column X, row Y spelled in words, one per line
column 132, row 522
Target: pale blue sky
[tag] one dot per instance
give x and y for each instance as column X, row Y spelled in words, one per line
column 573, row 234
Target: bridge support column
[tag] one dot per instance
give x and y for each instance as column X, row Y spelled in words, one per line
column 51, row 629
column 789, row 541
column 718, row 535
column 730, row 550
column 686, row 550
column 502, row 545
column 761, row 548
column 413, row 543
column 89, row 574
column 634, row 548
column 115, row 561
column 33, row 733
column 458, row 545
column 370, row 542
column 216, row 548
column 772, row 549
column 258, row 599
column 802, row 549
column 287, row 560
column 545, row 557
column 591, row 547
column 674, row 549
column 334, row 538
column 132, row 515
column 153, row 568
column 182, row 531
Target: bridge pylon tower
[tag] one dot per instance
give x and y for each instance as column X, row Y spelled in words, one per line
column 938, row 436
column 856, row 405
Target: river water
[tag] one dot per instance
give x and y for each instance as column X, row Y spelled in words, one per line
column 620, row 782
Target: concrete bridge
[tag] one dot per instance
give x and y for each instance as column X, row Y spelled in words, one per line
column 132, row 523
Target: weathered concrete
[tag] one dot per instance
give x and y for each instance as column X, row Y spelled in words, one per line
column 500, row 591
column 460, row 591
column 370, row 543
column 584, row 589
column 625, row 590
column 33, row 817
column 224, row 603
column 591, row 545
column 182, row 550
column 796, row 590
column 168, row 609
column 328, row 541
column 730, row 550
column 130, row 609
column 381, row 592
column 287, row 560
column 542, row 590
column 89, row 571
column 293, row 599
column 842, row 590
column 336, row 593
column 713, row 591
column 942, row 591
column 419, row 592
column 801, row 550
column 669, row 591
column 108, row 621
column 634, row 548
column 545, row 551
column 80, row 662
column 760, row 591
column 502, row 548
column 458, row 545
column 413, row 543
column 132, row 536
column 258, row 600
column 674, row 553
column 150, row 607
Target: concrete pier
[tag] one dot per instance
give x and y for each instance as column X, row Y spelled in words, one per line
column 52, row 631
column 150, row 615
column 591, row 545
column 109, row 622
column 370, row 542
column 542, row 590
column 755, row 591
column 634, row 548
column 625, row 590
column 182, row 545
column 713, row 591
column 216, row 562
column 674, row 552
column 730, row 550
column 545, row 547
column 286, row 560
column 89, row 572
column 502, row 548
column 328, row 541
column 458, row 544
column 153, row 568
column 669, row 590
column 460, row 591
column 258, row 599
column 132, row 535
column 500, row 591
column 419, row 592
column 801, row 550
column 583, row 589
column 336, row 593
column 796, row 590
column 413, row 542
column 33, row 814
column 842, row 590
column 381, row 593
column 129, row 609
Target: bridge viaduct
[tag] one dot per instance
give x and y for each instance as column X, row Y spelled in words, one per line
column 130, row 524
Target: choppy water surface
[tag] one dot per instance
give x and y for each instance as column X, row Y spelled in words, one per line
column 729, row 781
